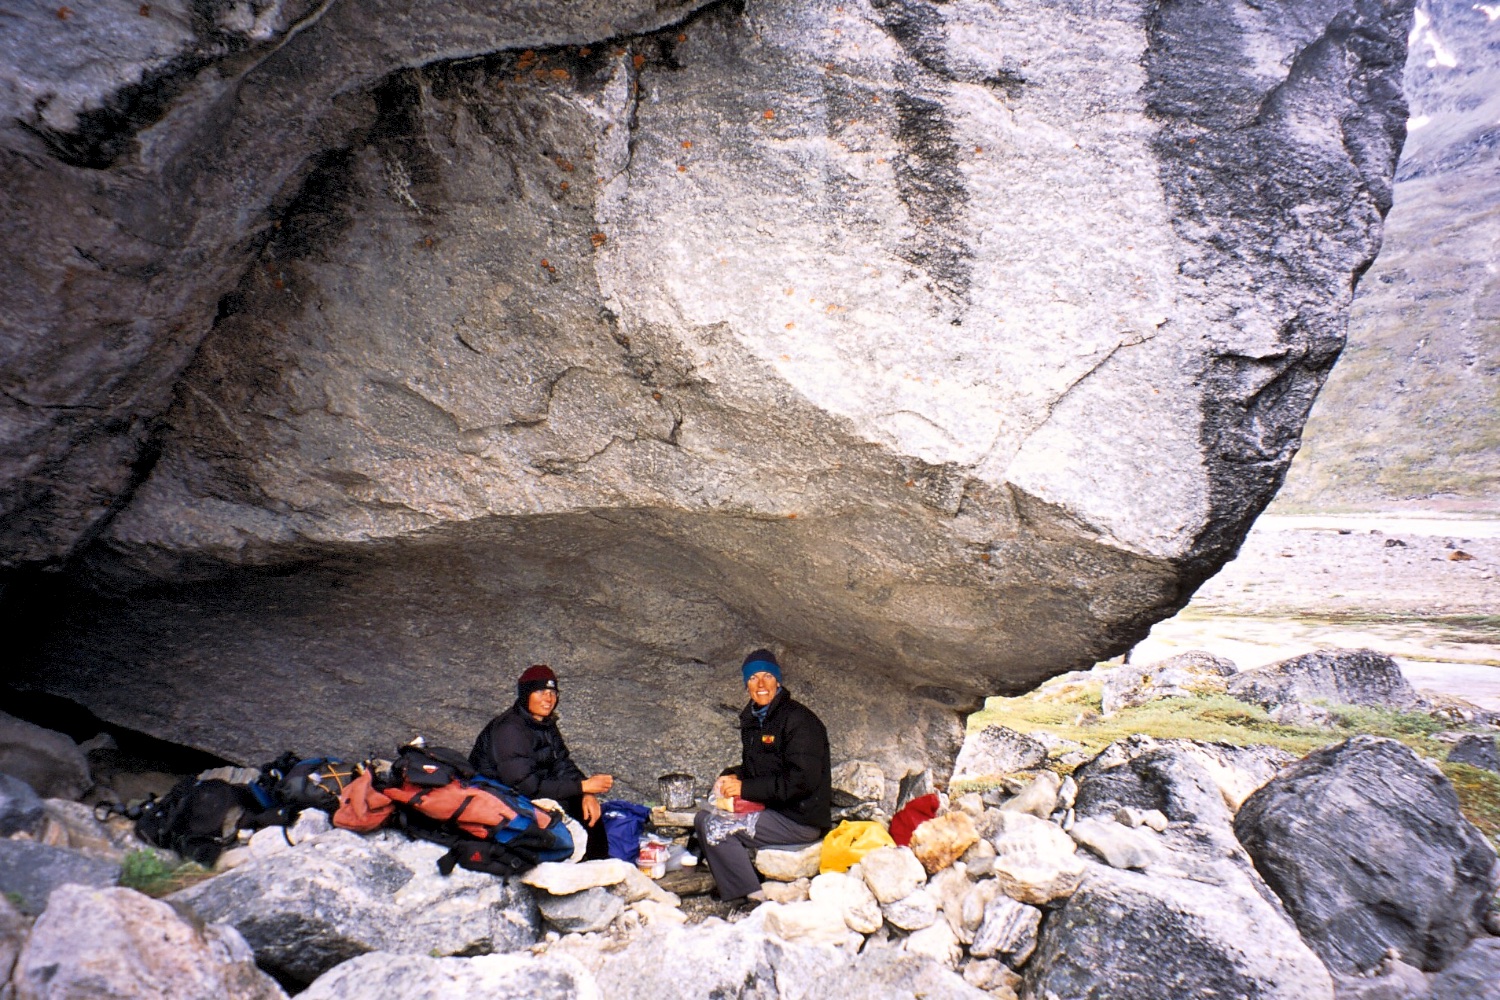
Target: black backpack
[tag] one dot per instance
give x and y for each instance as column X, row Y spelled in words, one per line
column 197, row 819
column 430, row 767
column 298, row 783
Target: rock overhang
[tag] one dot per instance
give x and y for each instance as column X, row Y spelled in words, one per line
column 953, row 344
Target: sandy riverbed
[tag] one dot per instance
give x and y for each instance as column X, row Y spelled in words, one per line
column 1397, row 583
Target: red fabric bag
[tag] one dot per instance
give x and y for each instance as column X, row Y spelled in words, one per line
column 912, row 815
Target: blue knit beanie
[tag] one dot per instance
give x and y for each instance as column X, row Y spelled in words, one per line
column 762, row 661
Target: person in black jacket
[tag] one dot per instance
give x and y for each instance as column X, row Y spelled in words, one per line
column 784, row 766
column 522, row 748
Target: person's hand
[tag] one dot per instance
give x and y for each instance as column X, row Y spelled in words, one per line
column 598, row 784
column 590, row 810
column 730, row 786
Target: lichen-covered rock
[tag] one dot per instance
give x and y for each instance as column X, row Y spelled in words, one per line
column 1125, row 935
column 1365, row 845
column 1164, row 778
column 1339, row 676
column 306, row 909
column 116, row 944
column 781, row 323
column 1190, row 673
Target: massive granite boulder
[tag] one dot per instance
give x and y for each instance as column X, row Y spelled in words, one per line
column 364, row 352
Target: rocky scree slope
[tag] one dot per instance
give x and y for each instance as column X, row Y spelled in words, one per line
column 365, row 351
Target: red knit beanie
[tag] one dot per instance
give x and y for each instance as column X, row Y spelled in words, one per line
column 538, row 677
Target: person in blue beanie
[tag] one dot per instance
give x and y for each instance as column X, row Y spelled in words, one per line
column 784, row 766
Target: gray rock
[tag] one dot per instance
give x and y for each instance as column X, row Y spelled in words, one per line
column 385, row 975
column 1168, row 779
column 996, row 750
column 857, row 782
column 75, row 827
column 912, row 912
column 12, row 937
column 311, row 330
column 1118, row 845
column 308, row 908
column 1394, row 980
column 49, row 761
column 1365, row 845
column 1476, row 750
column 118, row 944
column 1236, row 770
column 21, row 809
column 1473, row 975
column 1190, row 673
column 581, row 912
column 915, row 785
column 1129, row 935
column 1008, row 931
column 31, row 872
column 1338, row 676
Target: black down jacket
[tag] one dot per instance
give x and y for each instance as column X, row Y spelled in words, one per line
column 785, row 764
column 527, row 755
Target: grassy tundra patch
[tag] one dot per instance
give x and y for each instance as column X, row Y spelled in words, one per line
column 1069, row 708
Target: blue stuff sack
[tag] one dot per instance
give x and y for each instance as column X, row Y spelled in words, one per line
column 624, row 822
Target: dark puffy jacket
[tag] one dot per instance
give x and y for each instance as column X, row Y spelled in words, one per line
column 785, row 764
column 527, row 755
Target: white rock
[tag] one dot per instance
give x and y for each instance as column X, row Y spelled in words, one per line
column 638, row 885
column 786, row 892
column 948, row 888
column 892, row 873
column 937, row 942
column 386, row 976
column 788, row 866
column 118, row 944
column 310, row 823
column 1035, row 861
column 972, row 910
column 1067, row 793
column 979, row 859
column 853, row 898
column 561, row 878
column 814, row 921
column 269, row 840
column 653, row 912
column 993, row 977
column 1039, row 798
column 1120, row 846
column 970, row 803
column 912, row 912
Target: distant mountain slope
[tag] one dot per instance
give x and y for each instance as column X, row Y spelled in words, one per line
column 1411, row 412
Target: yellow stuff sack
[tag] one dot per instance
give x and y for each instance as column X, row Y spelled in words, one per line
column 850, row 841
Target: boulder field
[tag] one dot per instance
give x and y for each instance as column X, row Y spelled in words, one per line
column 356, row 355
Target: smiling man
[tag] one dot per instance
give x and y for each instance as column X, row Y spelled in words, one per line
column 784, row 766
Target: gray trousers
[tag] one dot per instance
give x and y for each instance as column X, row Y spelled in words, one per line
column 734, row 873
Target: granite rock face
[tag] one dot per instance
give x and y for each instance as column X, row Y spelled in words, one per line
column 1364, row 844
column 940, row 346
